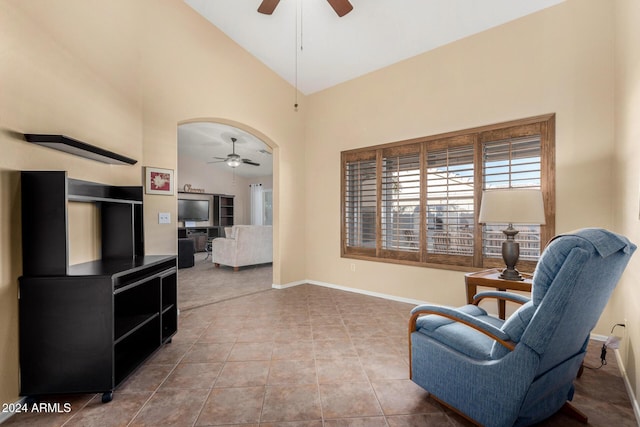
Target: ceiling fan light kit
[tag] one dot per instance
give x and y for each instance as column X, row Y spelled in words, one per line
column 341, row 7
column 233, row 160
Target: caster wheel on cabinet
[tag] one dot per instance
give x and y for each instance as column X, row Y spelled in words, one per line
column 107, row 396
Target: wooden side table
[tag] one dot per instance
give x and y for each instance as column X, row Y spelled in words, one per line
column 489, row 278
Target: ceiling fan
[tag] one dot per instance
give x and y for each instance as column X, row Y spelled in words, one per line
column 233, row 160
column 342, row 7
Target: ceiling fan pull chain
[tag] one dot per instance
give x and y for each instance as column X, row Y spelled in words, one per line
column 298, row 17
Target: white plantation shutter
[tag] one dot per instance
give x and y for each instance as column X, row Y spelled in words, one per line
column 450, row 202
column 512, row 163
column 400, row 201
column 360, row 204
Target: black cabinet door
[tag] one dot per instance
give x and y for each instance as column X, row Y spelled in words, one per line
column 66, row 335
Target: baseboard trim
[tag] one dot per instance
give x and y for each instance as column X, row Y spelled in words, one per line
column 623, row 373
column 289, row 285
column 348, row 289
column 627, row 384
column 4, row 416
column 364, row 292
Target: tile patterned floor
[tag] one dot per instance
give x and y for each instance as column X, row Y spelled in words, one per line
column 301, row 357
column 205, row 284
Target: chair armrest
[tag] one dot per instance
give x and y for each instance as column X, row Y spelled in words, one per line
column 486, row 328
column 507, row 296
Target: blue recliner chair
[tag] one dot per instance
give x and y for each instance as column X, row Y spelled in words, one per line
column 520, row 371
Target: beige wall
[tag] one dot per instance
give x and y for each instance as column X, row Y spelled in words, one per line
column 67, row 70
column 122, row 75
column 549, row 62
column 626, row 299
column 47, row 87
column 213, row 180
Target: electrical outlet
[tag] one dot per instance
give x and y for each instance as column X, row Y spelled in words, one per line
column 164, row 218
column 353, row 267
column 623, row 334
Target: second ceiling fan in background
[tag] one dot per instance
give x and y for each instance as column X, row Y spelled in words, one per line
column 233, row 160
column 342, row 7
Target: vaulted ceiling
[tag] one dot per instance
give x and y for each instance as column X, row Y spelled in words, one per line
column 308, row 45
column 305, row 42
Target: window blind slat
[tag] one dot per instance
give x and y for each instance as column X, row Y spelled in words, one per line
column 450, row 205
column 401, row 202
column 360, row 203
column 512, row 163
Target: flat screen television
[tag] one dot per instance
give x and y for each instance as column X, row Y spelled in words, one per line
column 193, row 210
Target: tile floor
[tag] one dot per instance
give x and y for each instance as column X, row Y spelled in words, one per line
column 204, row 284
column 306, row 356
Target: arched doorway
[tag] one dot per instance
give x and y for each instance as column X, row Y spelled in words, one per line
column 224, row 158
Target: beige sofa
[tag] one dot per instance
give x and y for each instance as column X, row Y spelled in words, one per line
column 244, row 245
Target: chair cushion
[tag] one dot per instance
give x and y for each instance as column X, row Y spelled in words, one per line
column 514, row 326
column 459, row 336
column 603, row 242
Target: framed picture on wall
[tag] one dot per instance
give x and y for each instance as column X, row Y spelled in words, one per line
column 158, row 181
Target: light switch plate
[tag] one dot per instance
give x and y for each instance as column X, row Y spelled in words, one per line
column 164, row 218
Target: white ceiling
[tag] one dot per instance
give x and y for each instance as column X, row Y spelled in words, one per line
column 375, row 34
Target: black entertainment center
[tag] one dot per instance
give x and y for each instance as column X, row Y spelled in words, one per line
column 196, row 208
column 85, row 327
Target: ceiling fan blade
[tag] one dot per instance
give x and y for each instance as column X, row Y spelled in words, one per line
column 342, row 7
column 268, row 6
column 250, row 162
column 221, row 158
column 219, row 161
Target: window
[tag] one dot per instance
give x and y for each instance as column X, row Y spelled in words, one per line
column 418, row 201
column 400, row 202
column 450, row 177
column 512, row 163
column 360, row 201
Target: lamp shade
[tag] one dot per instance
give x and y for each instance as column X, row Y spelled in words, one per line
column 512, row 206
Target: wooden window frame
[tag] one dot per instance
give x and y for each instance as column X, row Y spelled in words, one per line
column 543, row 125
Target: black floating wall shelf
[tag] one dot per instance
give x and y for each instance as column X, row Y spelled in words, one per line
column 82, row 149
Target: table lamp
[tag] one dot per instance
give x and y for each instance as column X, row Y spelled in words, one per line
column 511, row 206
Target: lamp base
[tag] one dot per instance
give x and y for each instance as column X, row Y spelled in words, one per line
column 510, row 255
column 511, row 274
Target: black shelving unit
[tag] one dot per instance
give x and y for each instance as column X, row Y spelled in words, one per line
column 86, row 327
column 222, row 216
column 225, row 209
